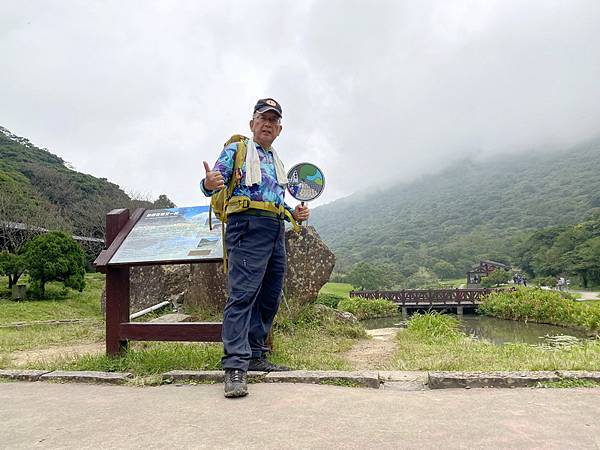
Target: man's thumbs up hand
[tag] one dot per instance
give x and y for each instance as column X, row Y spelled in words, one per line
column 214, row 180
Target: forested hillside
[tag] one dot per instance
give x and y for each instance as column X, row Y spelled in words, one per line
column 448, row 221
column 564, row 251
column 37, row 187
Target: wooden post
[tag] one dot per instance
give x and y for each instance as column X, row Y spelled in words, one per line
column 117, row 288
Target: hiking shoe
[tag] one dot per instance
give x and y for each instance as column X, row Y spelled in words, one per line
column 262, row 364
column 235, row 383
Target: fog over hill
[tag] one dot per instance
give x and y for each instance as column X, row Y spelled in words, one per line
column 446, row 221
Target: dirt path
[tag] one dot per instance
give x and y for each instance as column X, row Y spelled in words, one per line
column 586, row 295
column 24, row 357
column 374, row 353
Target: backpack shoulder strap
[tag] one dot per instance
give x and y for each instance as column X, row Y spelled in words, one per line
column 240, row 157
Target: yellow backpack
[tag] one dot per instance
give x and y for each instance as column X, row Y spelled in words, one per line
column 219, row 201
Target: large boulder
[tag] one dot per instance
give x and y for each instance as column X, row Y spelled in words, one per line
column 203, row 287
column 310, row 263
column 150, row 285
column 207, row 291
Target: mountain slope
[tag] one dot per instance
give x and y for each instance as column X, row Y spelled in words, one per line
column 448, row 221
column 36, row 186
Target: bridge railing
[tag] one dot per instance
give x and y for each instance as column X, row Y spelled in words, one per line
column 429, row 296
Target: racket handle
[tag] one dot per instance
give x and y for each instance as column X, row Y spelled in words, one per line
column 300, row 222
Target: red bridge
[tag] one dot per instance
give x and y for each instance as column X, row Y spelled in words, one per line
column 415, row 299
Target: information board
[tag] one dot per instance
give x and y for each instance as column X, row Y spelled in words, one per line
column 174, row 234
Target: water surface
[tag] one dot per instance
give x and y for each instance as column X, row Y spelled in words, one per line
column 497, row 331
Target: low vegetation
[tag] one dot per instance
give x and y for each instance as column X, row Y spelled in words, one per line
column 364, row 308
column 436, row 342
column 312, row 340
column 543, row 306
column 22, row 327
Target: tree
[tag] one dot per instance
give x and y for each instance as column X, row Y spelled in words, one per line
column 422, row 278
column 586, row 261
column 444, row 269
column 13, row 266
column 369, row 276
column 163, row 202
column 496, row 278
column 55, row 256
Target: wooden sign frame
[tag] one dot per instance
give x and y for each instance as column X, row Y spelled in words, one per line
column 119, row 330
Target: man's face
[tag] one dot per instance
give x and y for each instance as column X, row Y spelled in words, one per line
column 265, row 128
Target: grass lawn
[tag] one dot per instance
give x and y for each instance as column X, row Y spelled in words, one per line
column 60, row 304
column 453, row 283
column 342, row 289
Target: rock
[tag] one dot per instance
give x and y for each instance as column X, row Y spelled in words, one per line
column 310, row 263
column 22, row 375
column 87, row 377
column 208, row 288
column 172, row 318
column 204, row 286
column 150, row 285
column 365, row 378
column 444, row 380
column 336, row 315
column 154, row 284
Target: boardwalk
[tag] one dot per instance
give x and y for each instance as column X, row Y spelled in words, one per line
column 441, row 299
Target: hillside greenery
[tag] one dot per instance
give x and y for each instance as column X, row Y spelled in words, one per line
column 570, row 250
column 447, row 222
column 38, row 188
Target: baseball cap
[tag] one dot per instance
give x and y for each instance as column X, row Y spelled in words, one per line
column 267, row 104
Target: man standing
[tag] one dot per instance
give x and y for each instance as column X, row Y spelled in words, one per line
column 255, row 246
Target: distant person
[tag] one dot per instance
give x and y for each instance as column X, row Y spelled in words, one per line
column 255, row 247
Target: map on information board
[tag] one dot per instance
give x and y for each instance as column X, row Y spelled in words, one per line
column 175, row 234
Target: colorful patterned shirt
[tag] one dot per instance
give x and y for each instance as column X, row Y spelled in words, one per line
column 267, row 191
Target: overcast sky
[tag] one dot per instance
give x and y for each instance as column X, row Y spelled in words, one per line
column 141, row 92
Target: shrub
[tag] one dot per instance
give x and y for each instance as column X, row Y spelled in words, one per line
column 330, row 300
column 433, row 326
column 543, row 306
column 545, row 281
column 55, row 257
column 364, row 308
column 496, row 278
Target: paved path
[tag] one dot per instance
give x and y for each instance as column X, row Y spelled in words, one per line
column 586, row 295
column 295, row 416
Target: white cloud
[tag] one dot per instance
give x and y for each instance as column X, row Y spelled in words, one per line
column 142, row 92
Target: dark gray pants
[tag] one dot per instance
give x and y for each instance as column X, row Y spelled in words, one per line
column 257, row 263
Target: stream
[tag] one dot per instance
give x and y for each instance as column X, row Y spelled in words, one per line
column 496, row 331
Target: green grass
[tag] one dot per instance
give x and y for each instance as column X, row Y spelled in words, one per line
column 44, row 336
column 570, row 383
column 144, row 358
column 311, row 341
column 62, row 304
column 342, row 289
column 364, row 308
column 452, row 283
column 435, row 343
